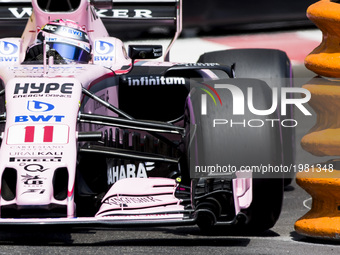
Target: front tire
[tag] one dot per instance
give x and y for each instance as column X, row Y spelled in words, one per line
column 273, row 67
column 239, row 145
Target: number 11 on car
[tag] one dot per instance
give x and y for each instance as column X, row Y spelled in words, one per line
column 36, row 134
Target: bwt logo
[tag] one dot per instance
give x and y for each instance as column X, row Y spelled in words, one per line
column 72, row 31
column 37, row 106
column 103, row 48
column 7, row 48
column 239, row 100
column 39, row 118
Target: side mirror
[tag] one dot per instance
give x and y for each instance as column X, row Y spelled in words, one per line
column 145, row 51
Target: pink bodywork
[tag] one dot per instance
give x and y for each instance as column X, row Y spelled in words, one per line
column 30, row 134
column 39, row 138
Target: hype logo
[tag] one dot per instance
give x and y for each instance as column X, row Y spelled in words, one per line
column 7, row 48
column 37, row 106
column 103, row 48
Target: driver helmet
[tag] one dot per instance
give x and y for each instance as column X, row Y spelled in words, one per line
column 68, row 39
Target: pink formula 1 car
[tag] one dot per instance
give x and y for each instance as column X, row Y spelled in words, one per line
column 94, row 134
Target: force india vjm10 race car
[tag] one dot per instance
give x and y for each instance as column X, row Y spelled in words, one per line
column 92, row 134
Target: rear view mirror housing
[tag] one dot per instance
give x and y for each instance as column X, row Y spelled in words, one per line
column 145, row 51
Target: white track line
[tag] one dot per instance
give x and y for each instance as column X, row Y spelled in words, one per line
column 315, row 35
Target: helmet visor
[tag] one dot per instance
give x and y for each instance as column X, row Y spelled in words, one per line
column 70, row 52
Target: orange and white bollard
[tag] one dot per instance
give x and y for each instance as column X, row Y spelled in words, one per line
column 323, row 182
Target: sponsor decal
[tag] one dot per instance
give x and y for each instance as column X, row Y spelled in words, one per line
column 103, row 51
column 155, row 81
column 125, row 201
column 38, row 148
column 115, row 173
column 7, row 50
column 37, row 106
column 50, row 27
column 103, row 58
column 125, row 13
column 37, row 191
column 32, row 181
column 20, row 13
column 103, row 48
column 36, row 153
column 26, row 12
column 35, row 168
column 24, row 160
column 104, row 97
column 39, row 118
column 8, row 59
column 43, row 88
column 71, row 31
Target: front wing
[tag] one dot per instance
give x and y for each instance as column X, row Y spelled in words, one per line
column 134, row 202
